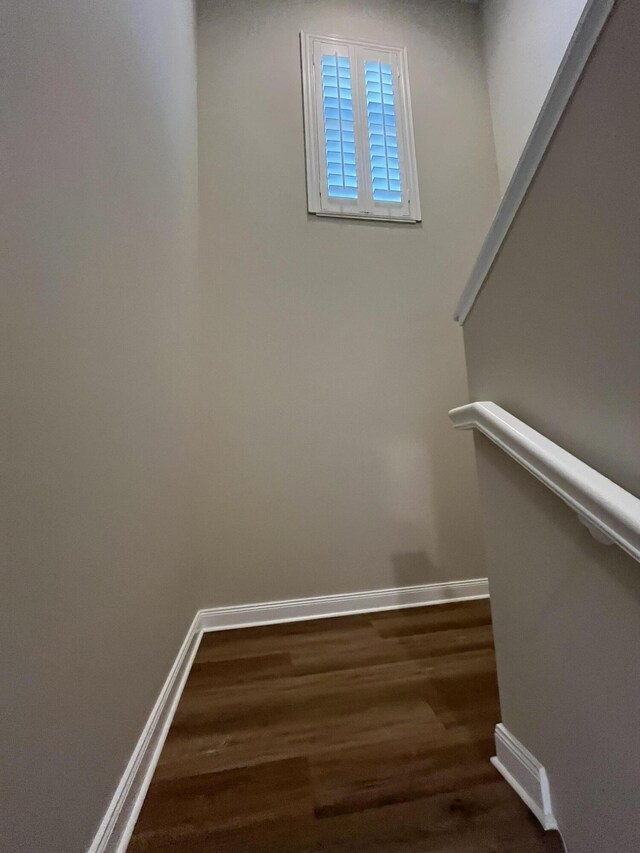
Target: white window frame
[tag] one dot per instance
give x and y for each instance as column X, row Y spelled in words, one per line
column 364, row 207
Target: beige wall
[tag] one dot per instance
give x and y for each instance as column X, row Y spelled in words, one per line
column 566, row 620
column 554, row 339
column 329, row 357
column 524, row 43
column 98, row 298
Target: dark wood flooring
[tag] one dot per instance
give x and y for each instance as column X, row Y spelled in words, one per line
column 361, row 733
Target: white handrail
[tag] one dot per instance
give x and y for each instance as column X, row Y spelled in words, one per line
column 610, row 512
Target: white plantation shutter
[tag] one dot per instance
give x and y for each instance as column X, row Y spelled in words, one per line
column 339, row 136
column 358, row 130
column 384, row 159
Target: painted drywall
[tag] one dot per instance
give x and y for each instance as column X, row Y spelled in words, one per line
column 553, row 338
column 99, row 293
column 524, row 43
column 329, row 359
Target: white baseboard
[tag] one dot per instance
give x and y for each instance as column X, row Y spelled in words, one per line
column 324, row 606
column 116, row 828
column 525, row 774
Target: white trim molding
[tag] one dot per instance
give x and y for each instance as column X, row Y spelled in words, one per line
column 525, row 774
column 582, row 43
column 327, row 606
column 117, row 826
column 611, row 514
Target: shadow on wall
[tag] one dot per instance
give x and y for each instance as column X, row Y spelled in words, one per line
column 412, row 568
column 333, row 221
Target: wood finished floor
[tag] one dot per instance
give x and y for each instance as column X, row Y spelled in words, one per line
column 361, row 733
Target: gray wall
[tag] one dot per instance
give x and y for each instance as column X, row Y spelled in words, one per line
column 524, row 43
column 329, row 357
column 554, row 339
column 98, row 298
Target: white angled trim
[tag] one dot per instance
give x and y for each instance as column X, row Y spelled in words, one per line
column 610, row 513
column 584, row 38
column 324, row 606
column 116, row 828
column 525, row 774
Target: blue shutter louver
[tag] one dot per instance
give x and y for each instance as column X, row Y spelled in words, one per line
column 340, row 145
column 383, row 137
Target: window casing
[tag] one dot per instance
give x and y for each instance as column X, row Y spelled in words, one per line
column 359, row 144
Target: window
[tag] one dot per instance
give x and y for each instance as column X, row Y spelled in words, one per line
column 358, row 130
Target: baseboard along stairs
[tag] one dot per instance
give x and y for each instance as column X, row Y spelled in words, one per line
column 116, row 828
column 525, row 774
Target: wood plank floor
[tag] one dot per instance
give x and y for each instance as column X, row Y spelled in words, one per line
column 361, row 733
